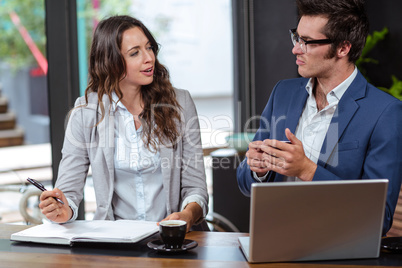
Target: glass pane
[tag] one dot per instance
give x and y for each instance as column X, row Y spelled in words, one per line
column 24, row 121
column 196, row 46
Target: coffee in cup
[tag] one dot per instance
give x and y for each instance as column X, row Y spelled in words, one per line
column 172, row 233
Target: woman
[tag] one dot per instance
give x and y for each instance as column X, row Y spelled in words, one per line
column 139, row 135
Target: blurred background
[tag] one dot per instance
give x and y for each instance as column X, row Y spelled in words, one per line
column 228, row 53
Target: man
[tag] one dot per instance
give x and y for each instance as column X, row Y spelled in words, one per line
column 339, row 126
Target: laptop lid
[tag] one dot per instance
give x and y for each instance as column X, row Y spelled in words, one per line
column 326, row 220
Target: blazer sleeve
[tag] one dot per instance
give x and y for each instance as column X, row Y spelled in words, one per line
column 193, row 181
column 74, row 165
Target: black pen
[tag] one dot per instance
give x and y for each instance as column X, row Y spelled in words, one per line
column 42, row 188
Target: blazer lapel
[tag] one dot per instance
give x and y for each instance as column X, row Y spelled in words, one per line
column 167, row 164
column 166, row 155
column 345, row 111
column 296, row 108
column 343, row 114
column 106, row 145
column 106, row 133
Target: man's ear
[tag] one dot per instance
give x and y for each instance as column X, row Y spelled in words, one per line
column 343, row 49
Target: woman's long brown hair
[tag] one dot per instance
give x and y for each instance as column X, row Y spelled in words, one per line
column 107, row 67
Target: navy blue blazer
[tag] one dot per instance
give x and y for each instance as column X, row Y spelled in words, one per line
column 363, row 141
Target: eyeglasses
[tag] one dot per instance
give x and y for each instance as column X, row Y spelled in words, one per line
column 303, row 43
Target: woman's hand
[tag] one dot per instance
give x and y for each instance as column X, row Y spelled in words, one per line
column 190, row 214
column 54, row 210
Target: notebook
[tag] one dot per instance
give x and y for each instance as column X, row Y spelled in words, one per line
column 80, row 231
column 307, row 221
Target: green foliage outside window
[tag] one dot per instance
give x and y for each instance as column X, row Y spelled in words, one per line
column 372, row 40
column 13, row 49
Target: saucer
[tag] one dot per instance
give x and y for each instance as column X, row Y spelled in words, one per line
column 160, row 246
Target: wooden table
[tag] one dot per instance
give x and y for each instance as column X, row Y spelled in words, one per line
column 218, row 242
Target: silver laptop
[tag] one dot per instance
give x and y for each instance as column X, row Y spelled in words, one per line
column 306, row 221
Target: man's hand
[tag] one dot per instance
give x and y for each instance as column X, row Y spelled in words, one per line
column 54, row 210
column 255, row 158
column 288, row 159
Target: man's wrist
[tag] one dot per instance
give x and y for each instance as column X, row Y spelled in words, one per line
column 309, row 172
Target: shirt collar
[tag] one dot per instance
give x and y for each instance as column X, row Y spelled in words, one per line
column 338, row 91
column 116, row 103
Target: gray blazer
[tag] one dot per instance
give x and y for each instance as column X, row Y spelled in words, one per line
column 88, row 143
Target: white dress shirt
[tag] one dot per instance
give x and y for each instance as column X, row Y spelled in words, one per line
column 138, row 191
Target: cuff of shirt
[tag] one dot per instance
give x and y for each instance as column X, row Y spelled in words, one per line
column 74, row 208
column 199, row 200
column 260, row 179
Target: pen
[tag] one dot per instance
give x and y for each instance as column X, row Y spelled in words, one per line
column 42, row 188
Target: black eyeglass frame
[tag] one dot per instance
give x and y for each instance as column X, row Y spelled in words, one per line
column 318, row 41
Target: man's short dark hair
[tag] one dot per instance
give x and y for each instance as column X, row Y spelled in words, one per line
column 347, row 22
